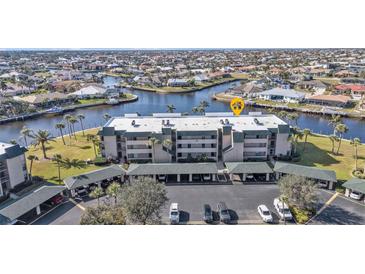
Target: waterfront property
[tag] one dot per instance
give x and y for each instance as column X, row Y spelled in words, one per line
column 283, row 95
column 13, row 170
column 330, row 100
column 164, row 138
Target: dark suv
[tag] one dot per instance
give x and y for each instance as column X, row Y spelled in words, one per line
column 207, row 213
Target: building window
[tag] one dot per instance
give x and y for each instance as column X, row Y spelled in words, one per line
column 179, row 155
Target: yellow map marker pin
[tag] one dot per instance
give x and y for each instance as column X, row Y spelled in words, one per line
column 237, row 105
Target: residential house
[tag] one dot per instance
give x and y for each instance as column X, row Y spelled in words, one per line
column 284, row 95
column 330, row 100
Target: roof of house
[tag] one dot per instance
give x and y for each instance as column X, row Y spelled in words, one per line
column 334, row 98
column 172, row 168
column 90, row 90
column 305, row 171
column 19, row 206
column 355, row 184
column 248, row 167
column 94, row 176
column 40, row 98
column 354, row 88
column 291, row 93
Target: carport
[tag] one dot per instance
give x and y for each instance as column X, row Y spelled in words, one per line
column 354, row 185
column 94, row 177
column 30, row 201
column 183, row 171
column 316, row 174
column 245, row 168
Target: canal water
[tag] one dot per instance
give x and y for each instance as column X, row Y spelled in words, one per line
column 150, row 102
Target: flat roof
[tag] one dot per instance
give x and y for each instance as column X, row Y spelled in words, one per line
column 211, row 121
column 172, row 168
column 94, row 176
column 355, row 184
column 248, row 167
column 305, row 171
column 19, row 206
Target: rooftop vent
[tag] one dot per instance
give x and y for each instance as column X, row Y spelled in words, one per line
column 222, row 122
column 163, row 122
column 168, row 122
column 133, row 122
column 226, row 121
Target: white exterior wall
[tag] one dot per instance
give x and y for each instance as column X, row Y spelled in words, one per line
column 110, row 146
column 235, row 154
column 161, row 156
column 283, row 146
column 15, row 168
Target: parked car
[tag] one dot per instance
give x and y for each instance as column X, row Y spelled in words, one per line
column 323, row 184
column 174, row 214
column 283, row 210
column 207, row 213
column 265, row 213
column 206, row 177
column 81, row 191
column 223, row 212
column 162, row 178
column 356, row 195
column 196, row 177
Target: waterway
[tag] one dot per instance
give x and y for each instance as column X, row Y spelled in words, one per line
column 150, row 102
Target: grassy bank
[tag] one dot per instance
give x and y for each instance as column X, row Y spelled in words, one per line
column 80, row 149
column 318, row 154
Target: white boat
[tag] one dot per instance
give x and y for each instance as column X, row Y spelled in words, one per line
column 54, row 110
column 112, row 101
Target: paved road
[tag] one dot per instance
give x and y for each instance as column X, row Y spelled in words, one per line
column 341, row 211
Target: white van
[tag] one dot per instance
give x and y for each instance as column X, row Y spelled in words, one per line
column 174, row 214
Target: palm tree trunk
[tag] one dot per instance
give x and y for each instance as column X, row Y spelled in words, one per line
column 305, row 142
column 63, row 139
column 59, row 172
column 25, row 141
column 82, row 127
column 30, row 168
column 355, row 157
column 339, row 145
column 95, row 150
column 44, row 151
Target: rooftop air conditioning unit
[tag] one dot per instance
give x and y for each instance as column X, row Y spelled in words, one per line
column 133, row 122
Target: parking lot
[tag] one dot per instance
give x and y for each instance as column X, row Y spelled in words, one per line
column 241, row 200
column 342, row 211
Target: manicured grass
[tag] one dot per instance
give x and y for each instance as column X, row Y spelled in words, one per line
column 80, row 149
column 91, row 101
column 318, row 154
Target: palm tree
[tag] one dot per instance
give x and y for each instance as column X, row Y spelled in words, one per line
column 195, row 109
column 306, row 132
column 13, row 142
column 334, row 121
column 171, row 108
column 202, row 106
column 97, row 193
column 106, row 117
column 67, row 118
column 95, row 141
column 297, row 134
column 153, row 141
column 341, row 129
column 57, row 159
column 26, row 133
column 282, row 114
column 355, row 143
column 73, row 120
column 43, row 137
column 31, row 158
column 60, row 127
column 113, row 191
column 333, row 139
column 81, row 117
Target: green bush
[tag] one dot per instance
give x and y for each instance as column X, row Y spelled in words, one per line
column 99, row 161
column 301, row 215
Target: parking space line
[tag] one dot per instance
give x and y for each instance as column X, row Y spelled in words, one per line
column 326, row 204
column 77, row 204
column 49, row 211
column 351, row 200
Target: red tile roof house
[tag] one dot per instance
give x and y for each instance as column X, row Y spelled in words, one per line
column 355, row 90
column 330, row 100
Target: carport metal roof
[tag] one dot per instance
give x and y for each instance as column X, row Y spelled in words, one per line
column 355, row 184
column 172, row 168
column 305, row 171
column 248, row 167
column 94, row 176
column 19, row 206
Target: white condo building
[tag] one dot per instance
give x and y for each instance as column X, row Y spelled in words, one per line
column 13, row 170
column 172, row 137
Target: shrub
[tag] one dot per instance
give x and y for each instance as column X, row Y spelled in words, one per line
column 99, row 161
column 301, row 215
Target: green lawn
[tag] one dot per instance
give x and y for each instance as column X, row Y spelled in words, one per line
column 91, row 101
column 80, row 149
column 318, row 154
